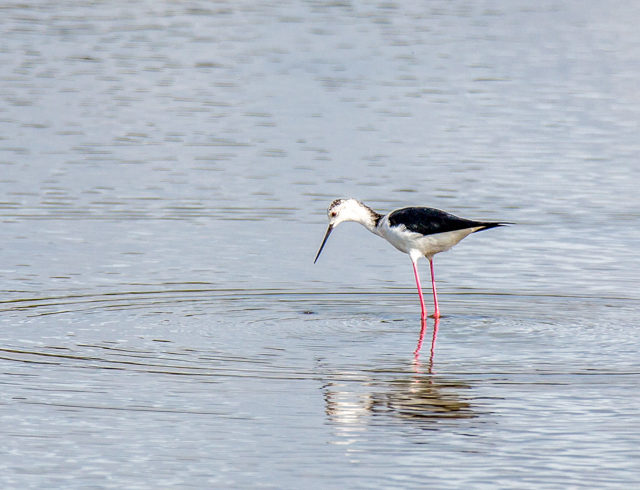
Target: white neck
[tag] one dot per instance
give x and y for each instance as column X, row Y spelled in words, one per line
column 369, row 219
column 360, row 213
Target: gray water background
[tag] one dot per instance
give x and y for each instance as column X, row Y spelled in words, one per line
column 164, row 173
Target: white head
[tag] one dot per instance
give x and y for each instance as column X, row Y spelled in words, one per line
column 342, row 210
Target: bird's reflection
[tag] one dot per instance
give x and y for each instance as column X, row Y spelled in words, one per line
column 409, row 391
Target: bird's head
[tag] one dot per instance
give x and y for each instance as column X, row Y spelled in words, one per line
column 342, row 210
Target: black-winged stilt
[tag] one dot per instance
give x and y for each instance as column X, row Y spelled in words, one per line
column 417, row 231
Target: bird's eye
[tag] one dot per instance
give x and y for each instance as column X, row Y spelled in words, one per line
column 333, row 214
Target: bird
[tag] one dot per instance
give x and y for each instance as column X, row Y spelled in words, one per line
column 417, row 231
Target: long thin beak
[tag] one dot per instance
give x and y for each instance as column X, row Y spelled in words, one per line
column 329, row 230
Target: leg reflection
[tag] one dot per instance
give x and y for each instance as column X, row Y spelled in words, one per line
column 433, row 344
column 423, row 330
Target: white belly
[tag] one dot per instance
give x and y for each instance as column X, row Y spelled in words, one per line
column 427, row 245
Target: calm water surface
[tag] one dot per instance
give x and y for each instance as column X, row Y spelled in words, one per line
column 164, row 171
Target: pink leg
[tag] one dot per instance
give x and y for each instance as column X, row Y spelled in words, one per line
column 415, row 272
column 436, row 313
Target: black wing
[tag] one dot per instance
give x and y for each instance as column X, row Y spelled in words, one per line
column 428, row 221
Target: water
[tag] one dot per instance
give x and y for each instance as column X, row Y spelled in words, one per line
column 164, row 171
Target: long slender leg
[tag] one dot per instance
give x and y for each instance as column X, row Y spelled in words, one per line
column 436, row 313
column 415, row 272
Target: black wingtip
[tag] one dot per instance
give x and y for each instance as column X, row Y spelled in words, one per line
column 486, row 226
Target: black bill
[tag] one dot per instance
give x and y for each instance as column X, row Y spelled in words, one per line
column 329, row 230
